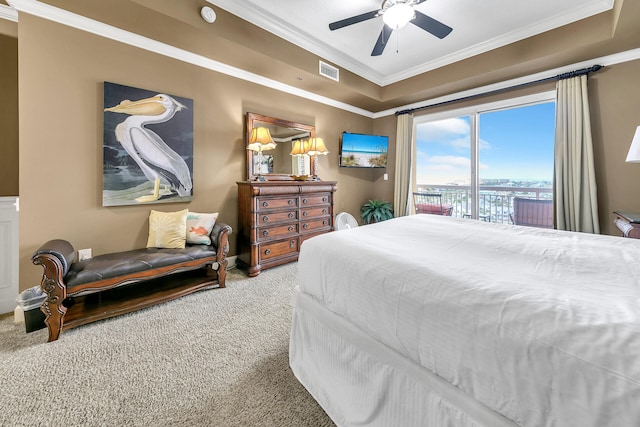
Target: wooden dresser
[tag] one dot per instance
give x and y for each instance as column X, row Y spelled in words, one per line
column 275, row 217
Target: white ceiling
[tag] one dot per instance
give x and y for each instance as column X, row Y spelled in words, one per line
column 478, row 26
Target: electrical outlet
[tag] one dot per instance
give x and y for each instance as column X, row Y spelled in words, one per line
column 386, row 176
column 84, row 254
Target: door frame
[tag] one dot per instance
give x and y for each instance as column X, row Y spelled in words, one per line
column 9, row 267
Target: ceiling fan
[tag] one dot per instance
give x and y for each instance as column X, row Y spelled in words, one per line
column 396, row 14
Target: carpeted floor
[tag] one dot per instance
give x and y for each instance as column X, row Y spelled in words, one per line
column 214, row 358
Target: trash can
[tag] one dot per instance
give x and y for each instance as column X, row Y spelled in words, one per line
column 30, row 301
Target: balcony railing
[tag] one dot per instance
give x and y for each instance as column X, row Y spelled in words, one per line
column 495, row 203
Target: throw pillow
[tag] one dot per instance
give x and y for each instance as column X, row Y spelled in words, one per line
column 167, row 229
column 199, row 226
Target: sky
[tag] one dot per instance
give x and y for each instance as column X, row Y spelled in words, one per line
column 515, row 144
column 364, row 143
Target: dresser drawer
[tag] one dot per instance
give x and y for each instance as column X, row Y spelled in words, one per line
column 277, row 232
column 276, row 249
column 314, row 200
column 276, row 216
column 263, row 203
column 314, row 224
column 314, row 212
column 267, row 218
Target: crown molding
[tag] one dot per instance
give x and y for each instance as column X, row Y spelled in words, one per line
column 83, row 23
column 616, row 58
column 266, row 20
column 9, row 13
column 262, row 18
column 64, row 17
column 512, row 37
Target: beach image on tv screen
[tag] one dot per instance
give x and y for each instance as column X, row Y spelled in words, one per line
column 369, row 151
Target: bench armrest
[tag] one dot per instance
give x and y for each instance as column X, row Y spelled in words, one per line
column 61, row 250
column 220, row 241
column 220, row 238
column 55, row 256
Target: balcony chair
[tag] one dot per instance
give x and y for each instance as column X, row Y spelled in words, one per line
column 532, row 212
column 431, row 203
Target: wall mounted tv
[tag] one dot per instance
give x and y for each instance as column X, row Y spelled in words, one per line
column 359, row 150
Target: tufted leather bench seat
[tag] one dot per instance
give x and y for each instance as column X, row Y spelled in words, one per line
column 124, row 281
column 108, row 266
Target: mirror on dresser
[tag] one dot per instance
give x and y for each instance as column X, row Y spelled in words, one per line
column 278, row 163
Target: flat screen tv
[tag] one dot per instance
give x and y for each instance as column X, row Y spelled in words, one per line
column 359, row 150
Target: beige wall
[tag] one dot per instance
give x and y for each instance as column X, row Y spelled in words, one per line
column 8, row 28
column 615, row 113
column 62, row 72
column 614, row 97
column 8, row 116
column 60, row 106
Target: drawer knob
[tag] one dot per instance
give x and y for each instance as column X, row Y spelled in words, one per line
column 265, row 233
column 265, row 218
column 290, row 201
column 292, row 244
column 291, row 228
column 290, row 214
column 324, row 199
column 304, row 200
column 305, row 213
column 305, row 226
column 265, row 204
column 324, row 222
column 324, row 211
column 267, row 252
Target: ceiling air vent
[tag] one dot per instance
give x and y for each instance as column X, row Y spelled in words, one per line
column 329, row 71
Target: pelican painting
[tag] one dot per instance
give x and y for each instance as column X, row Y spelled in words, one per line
column 159, row 168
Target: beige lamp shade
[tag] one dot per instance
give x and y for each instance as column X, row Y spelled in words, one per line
column 317, row 147
column 300, row 147
column 260, row 140
column 634, row 151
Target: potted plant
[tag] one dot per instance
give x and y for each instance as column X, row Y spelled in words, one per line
column 376, row 211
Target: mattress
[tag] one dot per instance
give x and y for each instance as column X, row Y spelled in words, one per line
column 540, row 326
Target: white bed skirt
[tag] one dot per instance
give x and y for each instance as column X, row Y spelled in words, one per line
column 359, row 381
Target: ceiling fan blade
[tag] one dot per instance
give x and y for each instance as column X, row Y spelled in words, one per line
column 353, row 20
column 385, row 34
column 431, row 25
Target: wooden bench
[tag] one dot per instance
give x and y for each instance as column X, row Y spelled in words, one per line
column 112, row 284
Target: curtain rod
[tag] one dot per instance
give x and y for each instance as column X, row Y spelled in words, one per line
column 562, row 76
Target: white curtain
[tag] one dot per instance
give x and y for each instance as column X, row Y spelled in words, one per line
column 575, row 183
column 404, row 148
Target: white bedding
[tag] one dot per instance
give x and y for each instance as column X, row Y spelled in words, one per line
column 539, row 325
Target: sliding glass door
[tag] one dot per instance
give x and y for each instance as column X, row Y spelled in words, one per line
column 482, row 159
column 443, row 161
column 516, row 157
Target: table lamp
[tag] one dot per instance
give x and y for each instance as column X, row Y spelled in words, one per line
column 316, row 147
column 300, row 147
column 260, row 140
column 299, row 153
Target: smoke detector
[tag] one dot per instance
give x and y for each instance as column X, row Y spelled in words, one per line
column 208, row 14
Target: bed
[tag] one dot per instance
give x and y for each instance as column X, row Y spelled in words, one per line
column 438, row 321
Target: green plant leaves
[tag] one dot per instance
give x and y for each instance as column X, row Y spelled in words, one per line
column 376, row 211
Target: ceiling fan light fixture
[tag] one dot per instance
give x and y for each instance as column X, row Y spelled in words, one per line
column 398, row 15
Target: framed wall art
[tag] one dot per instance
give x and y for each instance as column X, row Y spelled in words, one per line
column 148, row 147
